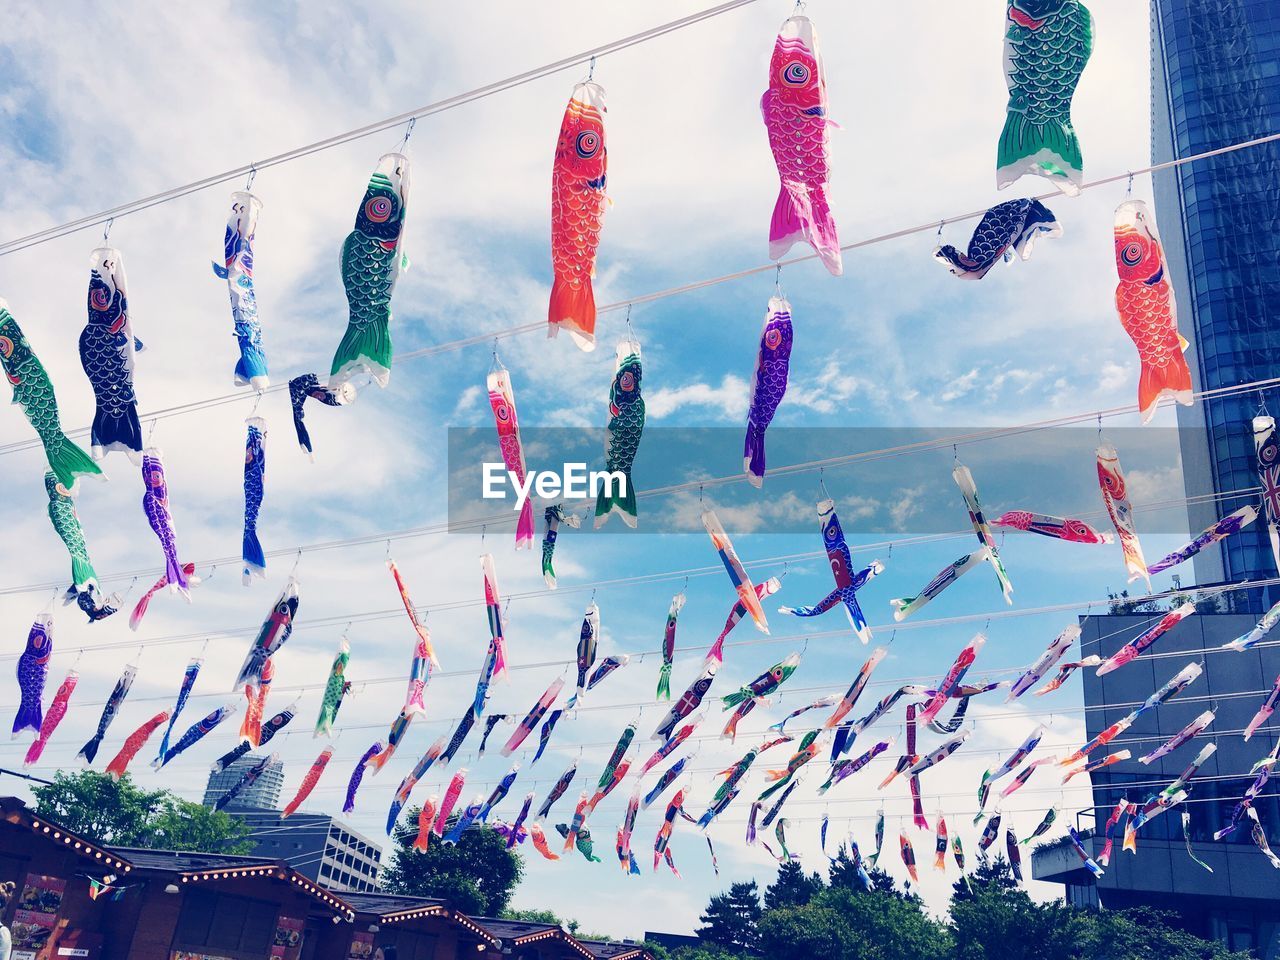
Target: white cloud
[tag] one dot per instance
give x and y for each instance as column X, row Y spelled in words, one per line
column 728, row 400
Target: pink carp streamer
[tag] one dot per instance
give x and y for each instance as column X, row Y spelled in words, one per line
column 308, row 783
column 135, row 742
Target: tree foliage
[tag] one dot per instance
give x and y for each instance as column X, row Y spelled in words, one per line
column 122, row 814
column 792, row 887
column 477, row 876
column 731, row 919
column 843, row 925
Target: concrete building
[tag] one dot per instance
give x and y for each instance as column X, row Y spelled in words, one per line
column 1215, row 81
column 317, row 846
column 1239, row 903
column 263, row 793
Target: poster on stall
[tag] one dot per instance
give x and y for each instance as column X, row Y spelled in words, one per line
column 36, row 914
column 288, row 939
column 361, row 946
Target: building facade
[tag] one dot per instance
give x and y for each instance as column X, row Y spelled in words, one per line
column 1239, row 902
column 262, row 794
column 317, row 846
column 1215, row 81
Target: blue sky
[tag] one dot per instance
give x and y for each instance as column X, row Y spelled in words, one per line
column 896, row 342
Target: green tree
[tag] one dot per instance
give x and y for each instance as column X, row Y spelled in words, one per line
column 997, row 923
column 477, row 875
column 1143, row 932
column 792, row 887
column 991, row 874
column 122, row 814
column 731, row 919
column 839, row 924
column 843, row 874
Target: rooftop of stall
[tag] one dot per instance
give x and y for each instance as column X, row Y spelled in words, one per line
column 611, row 950
column 526, row 940
column 418, row 928
column 50, row 868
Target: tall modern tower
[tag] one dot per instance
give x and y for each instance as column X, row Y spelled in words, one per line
column 1215, row 81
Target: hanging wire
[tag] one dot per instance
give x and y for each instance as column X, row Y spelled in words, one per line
column 253, row 174
column 408, row 132
column 106, row 231
column 591, row 69
column 1128, row 192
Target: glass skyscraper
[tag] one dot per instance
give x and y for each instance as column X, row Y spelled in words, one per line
column 1215, row 81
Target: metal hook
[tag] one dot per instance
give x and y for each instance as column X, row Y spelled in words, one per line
column 700, row 493
column 106, row 230
column 253, row 172
column 408, row 132
column 1129, row 189
column 152, row 432
column 777, row 281
column 941, row 224
column 257, row 400
column 591, row 69
column 388, row 554
column 483, row 528
column 296, row 560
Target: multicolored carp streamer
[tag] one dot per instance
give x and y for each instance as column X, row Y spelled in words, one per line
column 399, row 727
column 255, row 472
column 570, row 833
column 794, row 108
column 108, row 351
column 92, row 604
column 668, row 825
column 903, row 607
column 490, row 722
column 557, row 791
column 419, row 770
column 745, row 698
column 1140, row 644
column 1052, row 654
column 155, row 504
column 109, row 711
column 33, row 391
column 1115, row 495
column 947, row 686
column 1043, row 827
column 132, row 744
column 540, row 844
column 1060, row 528
column 729, row 788
column 502, row 399
column 969, row 490
column 237, row 270
column 1096, row 765
column 1065, row 671
column 1123, row 808
column 610, row 776
column 335, row 689
column 33, row 671
column 847, row 768
column 847, row 582
column 308, row 783
column 581, row 840
column 605, row 667
column 140, row 608
column 1014, row 852
column 269, row 730
column 465, row 821
column 1005, row 229
column 860, row 868
column 768, row 385
column 780, row 834
column 850, row 698
column 1264, row 769
column 426, row 820
column 1267, row 448
column 990, row 831
column 424, row 638
column 886, row 704
column 372, row 261
column 950, row 726
column 1154, row 806
column 451, row 794
column 275, row 630
column 485, row 679
column 940, row 844
column 936, row 756
column 1077, row 844
column 251, row 725
column 588, row 641
column 544, row 735
column 493, row 607
column 626, row 828
column 66, row 524
column 1020, row 781
column 622, row 436
column 1175, row 685
column 762, row 590
column 908, row 855
column 246, row 780
column 806, row 750
column 1261, row 629
column 1186, row 836
column 1148, row 310
column 357, row 776
column 306, row 387
column 689, row 701
column 1264, row 712
column 1219, row 530
column 516, row 829
column 957, row 851
column 196, row 732
column 669, row 776
column 531, row 719
column 578, row 203
column 747, row 594
column 1046, row 48
column 553, row 516
column 773, row 811
column 460, row 732
column 184, row 692
column 751, row 820
column 669, row 646
column 820, row 704
column 1202, row 722
column 1014, row 759
column 875, row 857
column 52, row 717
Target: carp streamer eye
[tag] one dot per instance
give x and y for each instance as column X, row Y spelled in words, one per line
column 502, row 413
column 1132, row 253
column 6, row 347
column 99, row 298
column 627, row 381
column 773, row 339
column 378, row 209
column 588, row 144
column 795, row 74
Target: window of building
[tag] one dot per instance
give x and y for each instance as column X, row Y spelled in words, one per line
column 226, row 924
